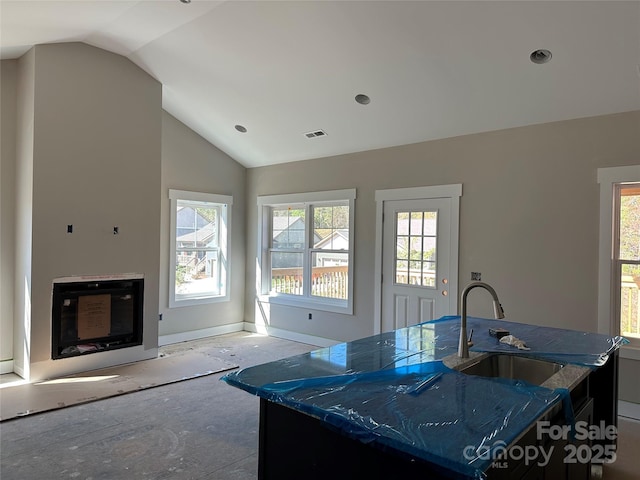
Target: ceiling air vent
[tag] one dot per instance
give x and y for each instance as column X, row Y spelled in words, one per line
column 316, row 133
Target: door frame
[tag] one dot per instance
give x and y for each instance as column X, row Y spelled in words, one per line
column 453, row 192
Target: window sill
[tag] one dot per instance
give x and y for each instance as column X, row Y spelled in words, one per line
column 308, row 303
column 197, row 301
column 630, row 352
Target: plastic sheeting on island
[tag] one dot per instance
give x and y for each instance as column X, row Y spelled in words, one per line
column 394, row 390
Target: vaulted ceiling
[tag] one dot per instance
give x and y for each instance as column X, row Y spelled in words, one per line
column 283, row 69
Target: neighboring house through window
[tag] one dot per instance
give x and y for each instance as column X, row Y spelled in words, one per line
column 306, row 249
column 619, row 266
column 200, row 229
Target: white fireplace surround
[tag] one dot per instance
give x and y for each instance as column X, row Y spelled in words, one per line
column 90, row 278
column 65, row 366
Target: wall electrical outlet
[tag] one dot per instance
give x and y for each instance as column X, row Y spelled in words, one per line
column 310, row 316
column 476, row 276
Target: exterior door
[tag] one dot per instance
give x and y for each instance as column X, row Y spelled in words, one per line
column 416, row 250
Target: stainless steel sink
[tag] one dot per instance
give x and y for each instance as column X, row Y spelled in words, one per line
column 515, row 367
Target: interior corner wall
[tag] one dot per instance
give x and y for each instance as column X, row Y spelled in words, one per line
column 191, row 163
column 528, row 216
column 23, row 213
column 96, row 164
column 8, row 112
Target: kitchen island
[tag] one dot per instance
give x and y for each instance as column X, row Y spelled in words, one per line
column 399, row 403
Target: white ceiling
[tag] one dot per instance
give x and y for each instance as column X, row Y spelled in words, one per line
column 281, row 69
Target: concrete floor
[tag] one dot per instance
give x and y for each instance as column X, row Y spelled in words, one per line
column 198, row 429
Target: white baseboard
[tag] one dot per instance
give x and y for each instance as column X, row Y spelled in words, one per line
column 288, row 335
column 198, row 334
column 246, row 327
column 629, row 410
column 6, row 366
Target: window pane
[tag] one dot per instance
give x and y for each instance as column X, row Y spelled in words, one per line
column 429, row 262
column 430, row 223
column 415, row 227
column 331, row 227
column 629, row 301
column 206, row 231
column 330, row 275
column 287, row 227
column 197, row 274
column 402, row 224
column 402, row 250
column 402, row 272
column 630, row 223
column 287, row 273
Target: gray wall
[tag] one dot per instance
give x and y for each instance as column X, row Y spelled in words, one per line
column 528, row 218
column 25, row 93
column 191, row 163
column 8, row 72
column 104, row 154
column 95, row 164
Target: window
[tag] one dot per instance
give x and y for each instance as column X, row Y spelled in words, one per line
column 306, row 249
column 619, row 263
column 200, row 229
column 627, row 259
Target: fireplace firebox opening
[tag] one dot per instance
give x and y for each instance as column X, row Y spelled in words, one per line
column 96, row 315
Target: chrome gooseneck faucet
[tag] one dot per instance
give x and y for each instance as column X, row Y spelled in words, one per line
column 463, row 346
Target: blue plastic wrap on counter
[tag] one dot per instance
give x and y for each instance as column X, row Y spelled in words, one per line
column 557, row 344
column 394, row 390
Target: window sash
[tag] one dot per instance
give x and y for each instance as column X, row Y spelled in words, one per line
column 211, row 260
column 608, row 178
column 626, row 291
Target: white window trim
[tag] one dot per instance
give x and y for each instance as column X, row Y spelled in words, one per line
column 262, row 276
column 608, row 178
column 225, row 237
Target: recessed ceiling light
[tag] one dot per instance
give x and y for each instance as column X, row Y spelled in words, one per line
column 241, row 129
column 540, row 56
column 363, row 99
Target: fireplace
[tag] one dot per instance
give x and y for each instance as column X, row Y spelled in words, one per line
column 96, row 315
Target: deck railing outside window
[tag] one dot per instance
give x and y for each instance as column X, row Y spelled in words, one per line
column 629, row 306
column 329, row 282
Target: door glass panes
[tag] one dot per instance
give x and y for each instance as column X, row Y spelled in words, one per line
column 628, row 258
column 416, row 239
